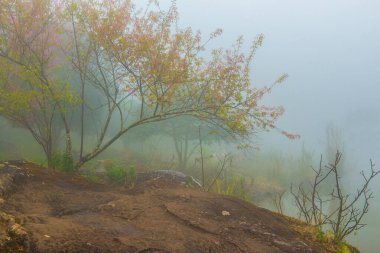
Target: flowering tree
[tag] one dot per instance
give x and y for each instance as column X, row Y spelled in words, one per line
column 142, row 66
column 33, row 92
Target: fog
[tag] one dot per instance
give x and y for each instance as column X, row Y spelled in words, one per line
column 330, row 49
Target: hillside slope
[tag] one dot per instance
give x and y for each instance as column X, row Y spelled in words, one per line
column 47, row 211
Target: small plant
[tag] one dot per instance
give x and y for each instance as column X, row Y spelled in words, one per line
column 328, row 238
column 62, row 161
column 320, row 235
column 131, row 177
column 56, row 161
column 67, row 162
column 116, row 174
column 344, row 249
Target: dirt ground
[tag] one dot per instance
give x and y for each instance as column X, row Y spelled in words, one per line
column 48, row 211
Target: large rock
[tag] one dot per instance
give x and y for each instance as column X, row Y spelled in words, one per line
column 169, row 175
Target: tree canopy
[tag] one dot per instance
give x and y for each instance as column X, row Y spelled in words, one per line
column 142, row 66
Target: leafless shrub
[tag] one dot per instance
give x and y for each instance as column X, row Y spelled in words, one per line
column 224, row 163
column 342, row 212
column 278, row 201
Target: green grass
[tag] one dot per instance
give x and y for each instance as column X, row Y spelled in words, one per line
column 121, row 175
column 62, row 161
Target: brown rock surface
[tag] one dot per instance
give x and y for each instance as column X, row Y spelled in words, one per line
column 46, row 211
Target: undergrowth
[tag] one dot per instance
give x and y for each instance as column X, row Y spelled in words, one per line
column 116, row 174
column 235, row 186
column 317, row 234
column 62, row 161
column 119, row 175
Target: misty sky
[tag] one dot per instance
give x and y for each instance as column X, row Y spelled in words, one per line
column 331, row 51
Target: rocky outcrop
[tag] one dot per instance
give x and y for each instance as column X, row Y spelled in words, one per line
column 48, row 211
column 13, row 237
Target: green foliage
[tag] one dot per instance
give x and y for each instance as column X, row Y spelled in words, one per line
column 328, row 238
column 67, row 162
column 344, row 249
column 62, row 161
column 116, row 174
column 320, row 235
column 325, row 236
column 56, row 160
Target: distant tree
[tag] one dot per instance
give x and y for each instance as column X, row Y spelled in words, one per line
column 133, row 59
column 185, row 133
